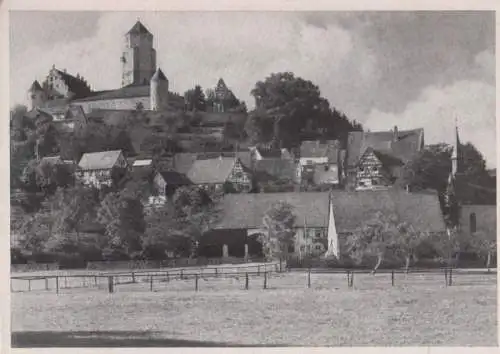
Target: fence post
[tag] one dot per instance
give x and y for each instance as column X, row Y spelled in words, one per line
column 446, row 276
column 95, row 280
column 133, row 277
column 196, row 282
column 246, row 281
column 348, row 279
column 352, row 279
column 29, row 284
column 265, row 280
column 281, row 269
column 450, row 277
column 111, row 284
column 392, row 277
column 182, row 274
column 57, row 284
column 216, row 274
column 309, row 278
column 151, row 282
column 258, row 270
column 46, row 283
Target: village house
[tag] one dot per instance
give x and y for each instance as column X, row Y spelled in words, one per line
column 375, row 159
column 221, row 174
column 167, row 182
column 323, row 219
column 100, row 169
column 321, row 162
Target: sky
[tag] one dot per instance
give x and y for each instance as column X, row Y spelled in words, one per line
column 383, row 69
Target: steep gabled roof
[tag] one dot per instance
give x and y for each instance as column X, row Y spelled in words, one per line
column 159, row 75
column 421, row 210
column 138, row 28
column 75, row 85
column 402, row 146
column 124, row 92
column 386, row 159
column 246, row 211
column 329, row 149
column 211, row 170
column 276, row 169
column 350, row 209
column 102, row 160
column 175, row 178
column 35, row 86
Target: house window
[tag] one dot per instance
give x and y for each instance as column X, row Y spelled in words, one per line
column 318, row 233
column 374, row 182
column 318, row 247
column 291, row 248
column 326, row 168
column 374, row 169
column 361, row 168
column 472, row 222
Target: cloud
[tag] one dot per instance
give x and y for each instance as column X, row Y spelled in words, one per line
column 199, row 48
column 380, row 69
column 472, row 103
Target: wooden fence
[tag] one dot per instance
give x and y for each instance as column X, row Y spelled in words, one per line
column 110, row 280
column 255, row 276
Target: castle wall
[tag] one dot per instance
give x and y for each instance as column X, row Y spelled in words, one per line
column 119, row 103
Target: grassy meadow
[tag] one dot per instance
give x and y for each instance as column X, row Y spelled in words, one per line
column 418, row 311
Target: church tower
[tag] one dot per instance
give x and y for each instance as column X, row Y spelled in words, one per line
column 158, row 91
column 455, row 155
column 37, row 95
column 139, row 56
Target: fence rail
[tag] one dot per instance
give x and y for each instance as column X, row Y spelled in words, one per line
column 218, row 277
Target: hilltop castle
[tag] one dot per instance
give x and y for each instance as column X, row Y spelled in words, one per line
column 143, row 84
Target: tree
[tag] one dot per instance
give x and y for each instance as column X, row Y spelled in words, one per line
column 472, row 177
column 163, row 234
column 448, row 246
column 279, row 222
column 123, row 219
column 259, row 127
column 19, row 123
column 295, row 109
column 485, row 244
column 196, row 211
column 195, row 99
column 407, row 242
column 375, row 238
column 429, row 169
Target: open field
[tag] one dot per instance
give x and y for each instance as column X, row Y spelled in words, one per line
column 417, row 311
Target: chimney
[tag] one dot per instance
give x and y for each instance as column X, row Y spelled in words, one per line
column 395, row 133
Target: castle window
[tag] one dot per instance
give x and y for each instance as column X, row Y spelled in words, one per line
column 472, row 222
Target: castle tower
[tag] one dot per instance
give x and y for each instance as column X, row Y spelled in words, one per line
column 139, row 56
column 38, row 96
column 159, row 90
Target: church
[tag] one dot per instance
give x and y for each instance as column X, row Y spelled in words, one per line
column 143, row 86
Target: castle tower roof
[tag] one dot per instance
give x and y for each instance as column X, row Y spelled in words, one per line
column 35, row 86
column 138, row 28
column 159, row 76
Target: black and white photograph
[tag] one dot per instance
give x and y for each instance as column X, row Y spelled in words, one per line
column 252, row 178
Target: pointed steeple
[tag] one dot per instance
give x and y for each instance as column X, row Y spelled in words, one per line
column 455, row 153
column 35, row 86
column 159, row 76
column 138, row 28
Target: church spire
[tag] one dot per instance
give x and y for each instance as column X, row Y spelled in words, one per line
column 455, row 153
